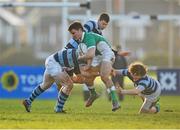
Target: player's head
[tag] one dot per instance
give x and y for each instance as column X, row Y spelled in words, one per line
column 76, row 30
column 103, row 20
column 137, row 70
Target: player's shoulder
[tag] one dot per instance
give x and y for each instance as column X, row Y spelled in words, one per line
column 145, row 80
column 91, row 22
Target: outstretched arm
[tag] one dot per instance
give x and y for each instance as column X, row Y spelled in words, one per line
column 133, row 91
column 121, row 53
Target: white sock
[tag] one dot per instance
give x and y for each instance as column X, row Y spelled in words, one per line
column 113, row 88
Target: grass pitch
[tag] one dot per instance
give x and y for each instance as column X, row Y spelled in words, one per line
column 13, row 114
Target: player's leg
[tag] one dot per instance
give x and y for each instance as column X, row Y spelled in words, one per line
column 119, row 80
column 151, row 102
column 107, row 60
column 52, row 67
column 145, row 106
column 155, row 108
column 105, row 73
column 47, row 82
column 67, row 83
column 86, row 93
column 93, row 94
column 89, row 91
column 150, row 107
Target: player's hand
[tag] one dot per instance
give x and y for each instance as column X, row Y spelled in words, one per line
column 81, row 54
column 86, row 67
column 119, row 89
column 113, row 72
column 123, row 53
column 78, row 79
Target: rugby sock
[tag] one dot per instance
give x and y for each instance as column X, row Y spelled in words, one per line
column 157, row 106
column 62, row 97
column 92, row 90
column 113, row 94
column 35, row 93
column 86, row 92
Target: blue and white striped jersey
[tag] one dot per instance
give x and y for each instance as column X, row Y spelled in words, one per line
column 92, row 26
column 68, row 58
column 146, row 85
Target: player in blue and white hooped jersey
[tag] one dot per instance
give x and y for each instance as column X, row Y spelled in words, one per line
column 58, row 68
column 145, row 86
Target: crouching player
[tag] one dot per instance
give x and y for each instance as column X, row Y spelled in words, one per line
column 146, row 87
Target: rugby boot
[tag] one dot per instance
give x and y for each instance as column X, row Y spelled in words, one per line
column 116, row 105
column 27, row 105
column 157, row 106
column 91, row 99
column 57, row 110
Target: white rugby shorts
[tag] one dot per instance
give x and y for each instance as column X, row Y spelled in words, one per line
column 150, row 99
column 52, row 67
column 107, row 54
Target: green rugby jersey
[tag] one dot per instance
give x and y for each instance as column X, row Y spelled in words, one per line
column 92, row 39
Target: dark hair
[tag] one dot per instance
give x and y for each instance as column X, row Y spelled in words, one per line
column 75, row 25
column 105, row 17
column 138, row 69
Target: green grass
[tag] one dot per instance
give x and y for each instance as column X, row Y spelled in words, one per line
column 13, row 115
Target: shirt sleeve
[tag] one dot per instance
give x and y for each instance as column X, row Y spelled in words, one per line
column 72, row 44
column 140, row 87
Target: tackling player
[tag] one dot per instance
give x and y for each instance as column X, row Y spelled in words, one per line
column 58, row 69
column 146, row 87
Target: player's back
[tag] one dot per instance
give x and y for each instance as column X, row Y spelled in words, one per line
column 67, row 58
column 150, row 84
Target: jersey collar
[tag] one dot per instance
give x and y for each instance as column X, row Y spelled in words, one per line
column 82, row 37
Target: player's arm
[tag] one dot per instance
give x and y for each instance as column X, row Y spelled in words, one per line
column 89, row 55
column 78, row 79
column 121, row 53
column 91, row 72
column 88, row 65
column 133, row 91
column 115, row 72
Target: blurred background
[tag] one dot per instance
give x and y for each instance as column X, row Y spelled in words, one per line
column 149, row 29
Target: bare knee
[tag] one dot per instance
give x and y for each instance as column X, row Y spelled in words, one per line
column 152, row 110
column 67, row 88
column 104, row 78
column 46, row 85
column 143, row 110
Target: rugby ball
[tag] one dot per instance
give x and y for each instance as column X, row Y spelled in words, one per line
column 82, row 48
